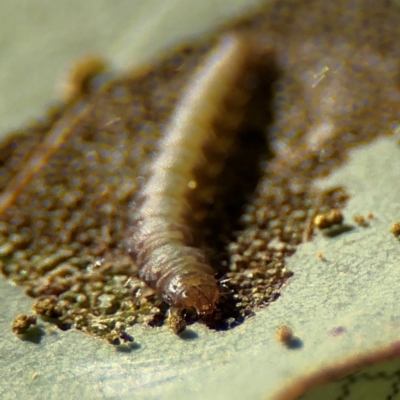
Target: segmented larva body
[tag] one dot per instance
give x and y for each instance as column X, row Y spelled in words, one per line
column 191, row 156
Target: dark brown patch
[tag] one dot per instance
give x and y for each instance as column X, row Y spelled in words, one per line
column 63, row 234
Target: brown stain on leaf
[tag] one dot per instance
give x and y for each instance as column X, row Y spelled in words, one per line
column 347, row 370
column 65, row 215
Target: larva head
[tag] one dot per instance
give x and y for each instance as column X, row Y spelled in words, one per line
column 197, row 291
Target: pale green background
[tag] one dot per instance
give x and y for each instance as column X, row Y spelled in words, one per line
column 357, row 287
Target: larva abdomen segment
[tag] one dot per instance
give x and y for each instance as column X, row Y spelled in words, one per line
column 191, row 156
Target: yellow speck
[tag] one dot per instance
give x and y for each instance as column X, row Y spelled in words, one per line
column 192, row 185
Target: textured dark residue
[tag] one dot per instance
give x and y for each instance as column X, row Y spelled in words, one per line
column 62, row 239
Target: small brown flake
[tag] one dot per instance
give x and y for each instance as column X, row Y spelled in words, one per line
column 22, row 323
column 118, row 335
column 395, row 229
column 113, row 338
column 361, row 221
column 321, row 256
column 285, row 335
column 328, row 219
column 176, row 322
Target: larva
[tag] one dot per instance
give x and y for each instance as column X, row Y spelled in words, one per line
column 191, row 156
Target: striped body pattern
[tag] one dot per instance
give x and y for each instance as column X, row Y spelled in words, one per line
column 191, row 155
